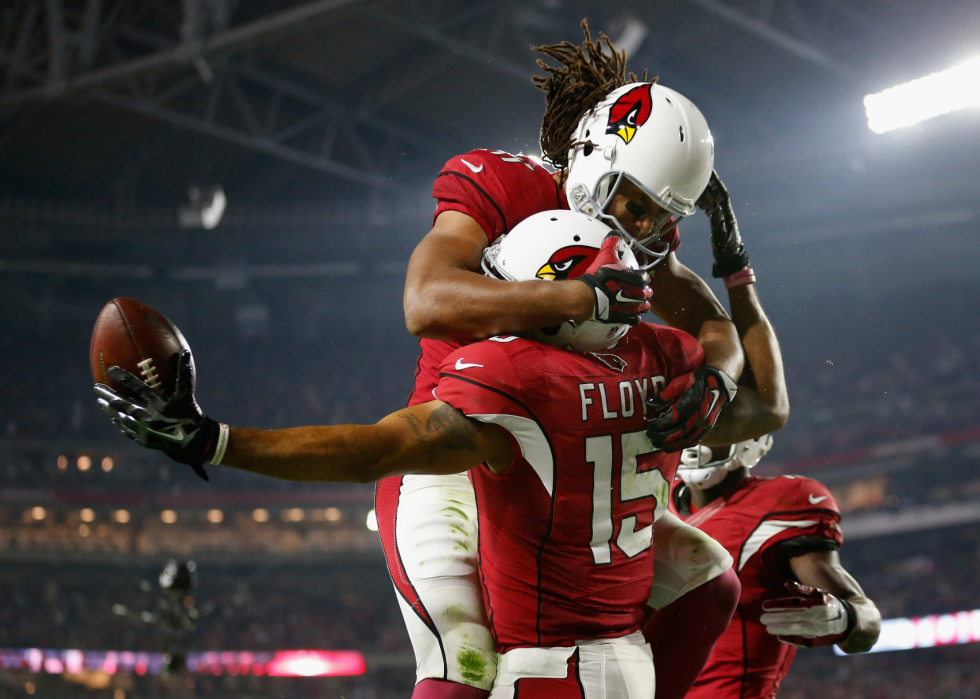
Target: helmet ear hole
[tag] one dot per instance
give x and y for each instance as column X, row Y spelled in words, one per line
column 587, row 151
column 682, row 134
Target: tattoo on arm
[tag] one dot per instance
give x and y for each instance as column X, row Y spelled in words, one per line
column 447, row 429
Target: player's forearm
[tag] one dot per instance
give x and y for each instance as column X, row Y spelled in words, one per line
column 867, row 626
column 464, row 305
column 684, row 301
column 722, row 350
column 337, row 453
column 763, row 355
column 823, row 570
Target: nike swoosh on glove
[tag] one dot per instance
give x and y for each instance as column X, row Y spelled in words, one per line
column 621, row 294
column 809, row 618
column 682, row 421
column 176, row 426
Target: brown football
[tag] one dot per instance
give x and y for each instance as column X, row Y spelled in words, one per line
column 141, row 340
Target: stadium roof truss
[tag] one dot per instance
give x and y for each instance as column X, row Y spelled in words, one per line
column 208, row 82
column 188, row 64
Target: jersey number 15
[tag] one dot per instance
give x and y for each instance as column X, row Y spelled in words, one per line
column 633, row 486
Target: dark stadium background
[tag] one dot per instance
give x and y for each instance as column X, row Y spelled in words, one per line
column 324, row 123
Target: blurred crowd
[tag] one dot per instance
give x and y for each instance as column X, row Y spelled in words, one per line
column 952, row 672
column 910, row 380
column 116, row 605
column 235, row 533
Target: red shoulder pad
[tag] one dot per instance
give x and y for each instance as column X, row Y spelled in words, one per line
column 799, row 494
column 495, row 188
column 480, row 379
column 680, row 352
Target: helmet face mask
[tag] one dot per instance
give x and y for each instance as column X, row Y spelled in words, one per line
column 700, row 472
column 655, row 138
column 554, row 246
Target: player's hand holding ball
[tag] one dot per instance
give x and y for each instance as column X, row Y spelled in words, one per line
column 159, row 411
column 621, row 294
column 809, row 618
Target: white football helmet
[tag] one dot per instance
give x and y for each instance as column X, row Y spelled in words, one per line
column 655, row 137
column 698, row 471
column 558, row 245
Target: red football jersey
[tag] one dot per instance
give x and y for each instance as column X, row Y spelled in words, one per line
column 498, row 190
column 565, row 547
column 763, row 523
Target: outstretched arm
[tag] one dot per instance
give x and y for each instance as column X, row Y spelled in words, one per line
column 432, row 438
column 447, row 296
column 808, row 621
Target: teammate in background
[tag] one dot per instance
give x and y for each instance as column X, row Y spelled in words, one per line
column 638, row 155
column 783, row 532
column 569, row 483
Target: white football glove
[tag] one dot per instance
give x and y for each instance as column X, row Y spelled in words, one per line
column 810, row 618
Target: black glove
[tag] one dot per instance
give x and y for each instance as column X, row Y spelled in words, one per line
column 175, row 426
column 682, row 422
column 621, row 294
column 726, row 243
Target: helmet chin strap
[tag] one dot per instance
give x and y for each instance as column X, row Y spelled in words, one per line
column 646, row 256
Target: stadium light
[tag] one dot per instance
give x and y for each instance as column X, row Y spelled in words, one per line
column 372, row 521
column 260, row 515
column 107, row 464
column 87, row 514
column 333, row 514
column 927, row 632
column 121, row 516
column 62, row 462
column 925, row 98
column 84, row 463
column 38, row 513
column 215, row 516
column 168, row 516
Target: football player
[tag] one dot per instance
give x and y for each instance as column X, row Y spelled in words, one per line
column 638, row 157
column 568, row 482
column 783, row 532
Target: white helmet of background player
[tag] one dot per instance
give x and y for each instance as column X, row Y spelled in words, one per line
column 655, row 137
column 558, row 245
column 698, row 471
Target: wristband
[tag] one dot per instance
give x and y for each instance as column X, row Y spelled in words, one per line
column 851, row 618
column 219, row 451
column 743, row 276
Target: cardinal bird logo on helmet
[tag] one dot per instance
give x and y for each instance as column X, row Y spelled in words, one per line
column 567, row 263
column 630, row 112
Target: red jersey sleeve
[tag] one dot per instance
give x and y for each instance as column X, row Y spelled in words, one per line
column 496, row 189
column 802, row 508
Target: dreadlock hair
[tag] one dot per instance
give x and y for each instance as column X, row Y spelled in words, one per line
column 584, row 76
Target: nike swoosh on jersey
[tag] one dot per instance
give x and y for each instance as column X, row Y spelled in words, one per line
column 460, row 365
column 814, row 501
column 473, row 167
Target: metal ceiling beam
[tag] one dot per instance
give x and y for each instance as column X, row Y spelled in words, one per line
column 461, row 48
column 182, row 54
column 255, row 142
column 764, row 30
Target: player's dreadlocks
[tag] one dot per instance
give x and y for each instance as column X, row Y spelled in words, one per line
column 584, row 76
